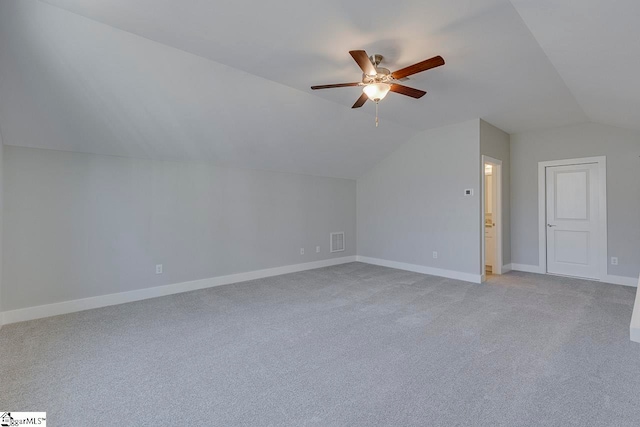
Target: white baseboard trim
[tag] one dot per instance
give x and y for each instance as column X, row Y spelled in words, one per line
column 48, row 310
column 615, row 280
column 450, row 274
column 527, row 268
column 506, row 268
column 634, row 326
column 620, row 280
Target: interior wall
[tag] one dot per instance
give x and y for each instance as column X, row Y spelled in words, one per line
column 496, row 143
column 413, row 203
column 622, row 149
column 82, row 225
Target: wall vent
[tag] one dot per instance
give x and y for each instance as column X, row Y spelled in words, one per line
column 337, row 242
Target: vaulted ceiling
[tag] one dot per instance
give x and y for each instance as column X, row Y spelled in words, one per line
column 228, row 81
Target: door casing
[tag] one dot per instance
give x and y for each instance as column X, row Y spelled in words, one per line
column 601, row 161
column 497, row 215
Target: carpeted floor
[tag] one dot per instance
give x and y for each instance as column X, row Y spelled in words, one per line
column 351, row 345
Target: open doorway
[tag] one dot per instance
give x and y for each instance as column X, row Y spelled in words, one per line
column 491, row 216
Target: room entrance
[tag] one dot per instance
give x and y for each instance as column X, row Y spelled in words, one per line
column 492, row 216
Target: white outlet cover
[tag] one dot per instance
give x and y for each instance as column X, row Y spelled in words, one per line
column 158, row 268
column 614, row 260
column 301, row 251
column 317, row 249
column 435, row 255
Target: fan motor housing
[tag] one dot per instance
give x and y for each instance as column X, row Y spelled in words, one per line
column 383, row 76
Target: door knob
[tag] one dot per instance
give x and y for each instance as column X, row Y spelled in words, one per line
column 550, row 225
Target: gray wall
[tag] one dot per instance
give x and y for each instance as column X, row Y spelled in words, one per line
column 495, row 143
column 82, row 225
column 412, row 203
column 622, row 148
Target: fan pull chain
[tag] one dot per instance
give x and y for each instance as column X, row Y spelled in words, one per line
column 376, row 113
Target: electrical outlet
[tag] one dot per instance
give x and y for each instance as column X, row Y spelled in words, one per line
column 158, row 268
column 317, row 249
column 301, row 251
column 435, row 255
column 614, row 260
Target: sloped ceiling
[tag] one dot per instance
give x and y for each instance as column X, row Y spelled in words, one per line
column 228, row 81
column 594, row 45
column 69, row 83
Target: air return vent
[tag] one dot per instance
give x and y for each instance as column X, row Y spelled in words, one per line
column 337, row 242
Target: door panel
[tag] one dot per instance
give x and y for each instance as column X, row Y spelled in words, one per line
column 571, row 246
column 572, row 195
column 572, row 220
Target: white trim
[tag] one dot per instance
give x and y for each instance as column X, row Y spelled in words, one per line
column 65, row 307
column 467, row 277
column 497, row 179
column 614, row 280
column 634, row 326
column 506, row 268
column 527, row 268
column 542, row 210
column 620, row 280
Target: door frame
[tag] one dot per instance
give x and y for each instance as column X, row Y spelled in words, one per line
column 601, row 161
column 497, row 179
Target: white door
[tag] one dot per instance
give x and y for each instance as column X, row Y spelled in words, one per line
column 572, row 220
column 489, row 225
column 490, row 247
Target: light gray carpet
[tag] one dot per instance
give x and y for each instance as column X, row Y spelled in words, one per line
column 351, row 345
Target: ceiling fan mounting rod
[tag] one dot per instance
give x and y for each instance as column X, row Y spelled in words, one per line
column 376, row 59
column 383, row 75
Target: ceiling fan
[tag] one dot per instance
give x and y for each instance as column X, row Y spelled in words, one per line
column 378, row 81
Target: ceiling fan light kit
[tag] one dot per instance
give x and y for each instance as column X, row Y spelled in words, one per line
column 377, row 81
column 376, row 91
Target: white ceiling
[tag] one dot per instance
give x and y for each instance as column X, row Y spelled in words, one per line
column 229, row 82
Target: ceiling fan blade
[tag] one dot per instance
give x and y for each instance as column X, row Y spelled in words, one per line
column 425, row 65
column 406, row 90
column 335, row 85
column 361, row 57
column 360, row 102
